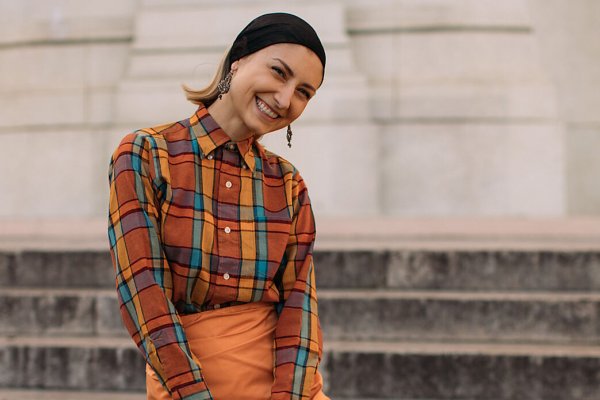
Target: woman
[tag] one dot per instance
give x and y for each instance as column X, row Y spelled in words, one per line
column 211, row 235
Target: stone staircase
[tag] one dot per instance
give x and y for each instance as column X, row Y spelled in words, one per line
column 398, row 324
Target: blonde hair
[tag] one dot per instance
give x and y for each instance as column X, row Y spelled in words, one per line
column 210, row 93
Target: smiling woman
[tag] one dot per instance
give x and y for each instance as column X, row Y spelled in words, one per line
column 269, row 90
column 211, row 234
column 279, row 62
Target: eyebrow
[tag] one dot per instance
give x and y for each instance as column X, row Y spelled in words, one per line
column 291, row 73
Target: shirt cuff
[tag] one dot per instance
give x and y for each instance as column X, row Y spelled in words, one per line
column 195, row 391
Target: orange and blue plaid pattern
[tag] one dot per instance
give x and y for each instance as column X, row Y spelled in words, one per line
column 198, row 222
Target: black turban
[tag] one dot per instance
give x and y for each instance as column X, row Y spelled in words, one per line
column 273, row 28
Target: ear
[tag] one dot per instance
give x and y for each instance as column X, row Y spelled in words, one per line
column 235, row 65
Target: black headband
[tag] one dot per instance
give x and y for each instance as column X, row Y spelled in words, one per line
column 273, row 28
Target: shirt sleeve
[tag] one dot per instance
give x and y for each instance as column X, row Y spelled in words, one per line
column 143, row 276
column 298, row 338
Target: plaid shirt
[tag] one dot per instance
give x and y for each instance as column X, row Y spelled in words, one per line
column 198, row 222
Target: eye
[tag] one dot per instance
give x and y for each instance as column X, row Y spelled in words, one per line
column 279, row 71
column 305, row 93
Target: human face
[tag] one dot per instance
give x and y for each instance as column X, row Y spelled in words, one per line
column 271, row 87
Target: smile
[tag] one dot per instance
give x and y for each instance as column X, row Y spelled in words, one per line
column 264, row 107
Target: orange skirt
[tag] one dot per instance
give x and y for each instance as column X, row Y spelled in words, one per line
column 235, row 346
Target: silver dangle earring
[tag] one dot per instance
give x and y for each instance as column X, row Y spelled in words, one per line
column 225, row 84
column 289, row 135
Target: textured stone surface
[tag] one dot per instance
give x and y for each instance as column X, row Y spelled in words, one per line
column 438, row 70
column 43, row 394
column 49, row 107
column 495, row 270
column 108, row 317
column 567, row 33
column 7, row 269
column 92, row 368
column 47, row 315
column 582, row 169
column 449, row 305
column 75, row 269
column 177, row 27
column 358, row 269
column 40, row 20
column 422, row 376
column 460, row 317
column 348, row 315
column 429, row 86
column 450, row 168
column 367, row 15
column 352, row 374
column 95, row 65
column 459, row 270
column 65, row 157
column 449, row 270
column 61, row 92
column 58, row 314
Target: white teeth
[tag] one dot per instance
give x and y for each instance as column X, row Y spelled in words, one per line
column 262, row 106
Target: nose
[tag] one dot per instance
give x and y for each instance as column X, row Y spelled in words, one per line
column 283, row 97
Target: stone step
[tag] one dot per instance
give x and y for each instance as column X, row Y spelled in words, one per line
column 345, row 314
column 576, row 270
column 459, row 270
column 81, row 269
column 472, row 316
column 67, row 363
column 9, row 394
column 55, row 312
column 463, row 371
column 351, row 370
column 16, row 394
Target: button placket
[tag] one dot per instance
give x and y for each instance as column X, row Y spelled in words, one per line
column 227, row 181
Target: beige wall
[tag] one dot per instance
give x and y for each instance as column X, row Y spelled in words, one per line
column 430, row 108
column 567, row 33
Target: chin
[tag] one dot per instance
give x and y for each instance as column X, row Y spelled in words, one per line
column 259, row 127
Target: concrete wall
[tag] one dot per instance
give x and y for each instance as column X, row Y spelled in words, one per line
column 429, row 108
column 60, row 62
column 468, row 113
column 567, row 34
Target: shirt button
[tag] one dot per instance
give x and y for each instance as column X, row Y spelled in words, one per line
column 226, row 276
column 244, row 166
column 228, row 184
column 227, row 229
column 231, row 146
column 210, row 156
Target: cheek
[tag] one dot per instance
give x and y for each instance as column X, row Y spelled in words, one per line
column 241, row 85
column 297, row 109
column 242, row 97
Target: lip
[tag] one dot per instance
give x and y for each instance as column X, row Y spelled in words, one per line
column 265, row 116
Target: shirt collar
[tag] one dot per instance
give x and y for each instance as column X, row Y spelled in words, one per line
column 210, row 136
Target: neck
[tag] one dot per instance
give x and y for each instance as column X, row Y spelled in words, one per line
column 224, row 115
